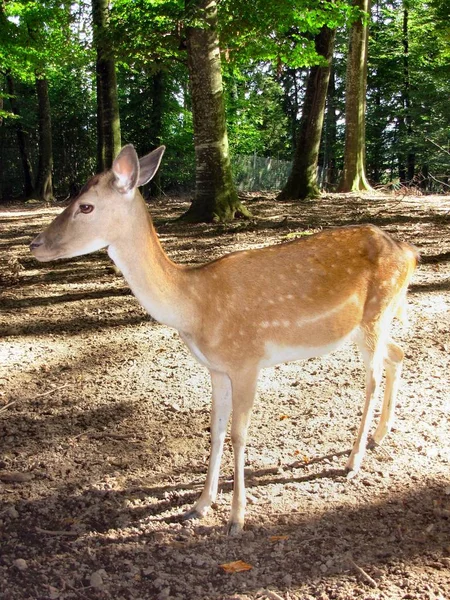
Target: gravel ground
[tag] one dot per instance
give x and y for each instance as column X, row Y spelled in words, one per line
column 104, row 434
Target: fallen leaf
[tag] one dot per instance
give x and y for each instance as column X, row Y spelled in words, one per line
column 282, row 417
column 278, row 538
column 236, row 566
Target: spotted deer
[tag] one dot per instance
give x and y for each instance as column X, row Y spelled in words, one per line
column 249, row 309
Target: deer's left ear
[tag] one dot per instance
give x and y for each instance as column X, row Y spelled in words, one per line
column 126, row 170
column 149, row 165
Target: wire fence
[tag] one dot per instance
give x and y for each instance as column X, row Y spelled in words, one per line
column 258, row 173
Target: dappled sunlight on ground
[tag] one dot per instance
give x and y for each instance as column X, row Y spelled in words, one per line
column 104, row 418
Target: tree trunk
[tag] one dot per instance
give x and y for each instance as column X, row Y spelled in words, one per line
column 291, row 103
column 354, row 172
column 215, row 195
column 21, row 139
column 331, row 133
column 410, row 154
column 156, row 125
column 108, row 120
column 302, row 182
column 44, row 185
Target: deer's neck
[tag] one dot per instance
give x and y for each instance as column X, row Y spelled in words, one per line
column 154, row 279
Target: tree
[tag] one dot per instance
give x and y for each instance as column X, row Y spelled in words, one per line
column 34, row 44
column 108, row 120
column 44, row 182
column 354, row 173
column 21, row 138
column 215, row 197
column 302, row 182
column 267, row 50
column 407, row 171
column 330, row 138
column 408, row 72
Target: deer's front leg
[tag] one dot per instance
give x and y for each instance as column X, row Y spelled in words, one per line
column 244, row 388
column 220, row 414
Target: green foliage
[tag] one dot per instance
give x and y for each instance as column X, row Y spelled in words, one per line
column 407, row 89
column 267, row 48
column 256, row 121
column 37, row 37
column 281, row 32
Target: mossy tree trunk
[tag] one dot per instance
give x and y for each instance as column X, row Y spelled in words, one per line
column 108, row 120
column 215, row 198
column 44, row 183
column 302, row 182
column 354, row 173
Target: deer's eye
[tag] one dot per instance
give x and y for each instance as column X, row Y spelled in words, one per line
column 86, row 208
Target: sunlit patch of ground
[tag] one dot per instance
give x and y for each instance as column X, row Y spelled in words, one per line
column 104, row 436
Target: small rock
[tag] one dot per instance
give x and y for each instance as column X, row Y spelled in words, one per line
column 12, row 512
column 96, row 579
column 164, row 594
column 20, row 564
column 53, row 593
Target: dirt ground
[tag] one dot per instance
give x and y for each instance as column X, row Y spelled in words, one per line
column 104, row 433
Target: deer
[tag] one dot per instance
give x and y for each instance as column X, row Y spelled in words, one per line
column 249, row 309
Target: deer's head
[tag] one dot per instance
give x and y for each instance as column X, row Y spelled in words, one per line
column 94, row 218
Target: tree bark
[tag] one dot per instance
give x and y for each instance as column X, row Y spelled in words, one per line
column 302, row 182
column 108, row 119
column 44, row 184
column 410, row 154
column 21, row 139
column 156, row 125
column 331, row 133
column 354, row 172
column 215, row 194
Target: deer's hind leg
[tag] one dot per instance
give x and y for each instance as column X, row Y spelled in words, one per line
column 373, row 349
column 393, row 367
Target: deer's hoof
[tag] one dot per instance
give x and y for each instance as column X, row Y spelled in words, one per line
column 234, row 528
column 192, row 514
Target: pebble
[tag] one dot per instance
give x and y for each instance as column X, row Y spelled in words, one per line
column 53, row 593
column 12, row 512
column 20, row 564
column 96, row 579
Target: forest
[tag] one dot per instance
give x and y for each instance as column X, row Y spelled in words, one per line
column 291, row 96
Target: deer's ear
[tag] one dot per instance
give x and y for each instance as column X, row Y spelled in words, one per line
column 126, row 170
column 149, row 165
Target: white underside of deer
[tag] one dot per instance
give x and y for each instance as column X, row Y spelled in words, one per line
column 249, row 309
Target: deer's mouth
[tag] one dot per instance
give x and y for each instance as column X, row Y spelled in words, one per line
column 42, row 252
